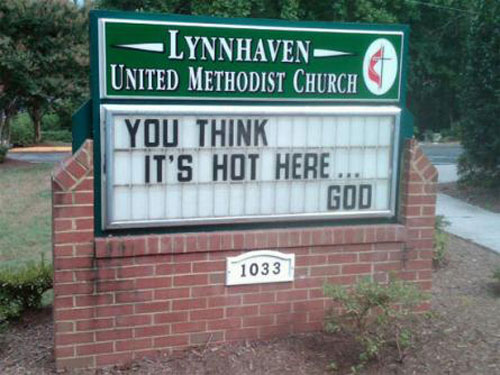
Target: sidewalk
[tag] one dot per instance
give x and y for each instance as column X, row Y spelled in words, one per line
column 467, row 221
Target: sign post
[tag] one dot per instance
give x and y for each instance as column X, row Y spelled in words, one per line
column 235, row 166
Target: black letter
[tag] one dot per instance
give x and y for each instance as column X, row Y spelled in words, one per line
column 146, row 162
column 253, row 165
column 333, row 200
column 216, row 167
column 280, row 165
column 296, row 165
column 159, row 167
column 202, row 124
column 349, row 205
column 259, row 130
column 132, row 130
column 324, row 165
column 156, row 125
column 219, row 132
column 365, row 189
column 181, row 177
column 174, row 141
column 241, row 175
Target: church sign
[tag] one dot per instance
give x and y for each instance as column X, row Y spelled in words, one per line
column 208, row 121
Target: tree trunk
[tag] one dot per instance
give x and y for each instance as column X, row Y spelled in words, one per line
column 36, row 117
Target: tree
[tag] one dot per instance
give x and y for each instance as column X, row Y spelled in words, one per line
column 437, row 38
column 480, row 98
column 43, row 55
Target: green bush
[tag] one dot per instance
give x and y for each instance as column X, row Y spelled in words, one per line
column 3, row 152
column 376, row 315
column 440, row 242
column 22, row 133
column 480, row 127
column 22, row 288
column 51, row 121
column 57, row 136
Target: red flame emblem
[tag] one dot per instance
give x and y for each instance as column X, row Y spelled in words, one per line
column 372, row 74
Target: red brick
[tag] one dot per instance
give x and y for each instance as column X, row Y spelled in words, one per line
column 64, row 352
column 60, row 199
column 94, row 324
column 209, row 314
column 242, row 311
column 133, row 320
column 258, row 321
column 152, row 307
column 96, row 348
column 224, row 301
column 189, row 304
column 113, row 310
column 169, row 341
column 308, row 305
column 151, row 331
column 171, row 317
column 185, row 327
column 74, row 314
column 153, row 282
column 274, row 308
column 205, row 291
column 73, row 211
column 72, row 263
column 114, row 334
column 84, row 197
column 209, row 266
column 242, row 333
column 72, row 289
column 259, row 298
column 163, row 294
column 190, row 280
column 291, row 295
column 325, row 270
column 74, row 338
column 113, row 359
column 136, row 344
column 79, row 362
column 356, row 269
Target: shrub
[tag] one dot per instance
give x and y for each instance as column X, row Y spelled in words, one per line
column 440, row 242
column 3, row 152
column 376, row 315
column 22, row 288
column 51, row 121
column 57, row 136
column 480, row 132
column 22, row 134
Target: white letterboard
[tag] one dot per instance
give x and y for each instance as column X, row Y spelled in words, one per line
column 186, row 165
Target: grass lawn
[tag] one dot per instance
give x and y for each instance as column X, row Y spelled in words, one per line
column 25, row 214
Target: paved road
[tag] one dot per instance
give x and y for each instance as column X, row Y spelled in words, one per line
column 39, row 157
column 440, row 154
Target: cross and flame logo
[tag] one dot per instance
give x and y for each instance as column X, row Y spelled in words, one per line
column 380, row 66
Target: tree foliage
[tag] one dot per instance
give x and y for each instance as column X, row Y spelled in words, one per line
column 43, row 56
column 480, row 98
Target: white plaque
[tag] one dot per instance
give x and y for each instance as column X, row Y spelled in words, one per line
column 260, row 267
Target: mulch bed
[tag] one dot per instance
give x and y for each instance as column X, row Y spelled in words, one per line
column 489, row 199
column 463, row 337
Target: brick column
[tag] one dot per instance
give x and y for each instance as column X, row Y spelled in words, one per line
column 418, row 212
column 121, row 298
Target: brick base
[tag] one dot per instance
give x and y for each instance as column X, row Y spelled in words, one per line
column 122, row 298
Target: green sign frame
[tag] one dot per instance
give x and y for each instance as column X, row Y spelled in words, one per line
column 120, row 44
